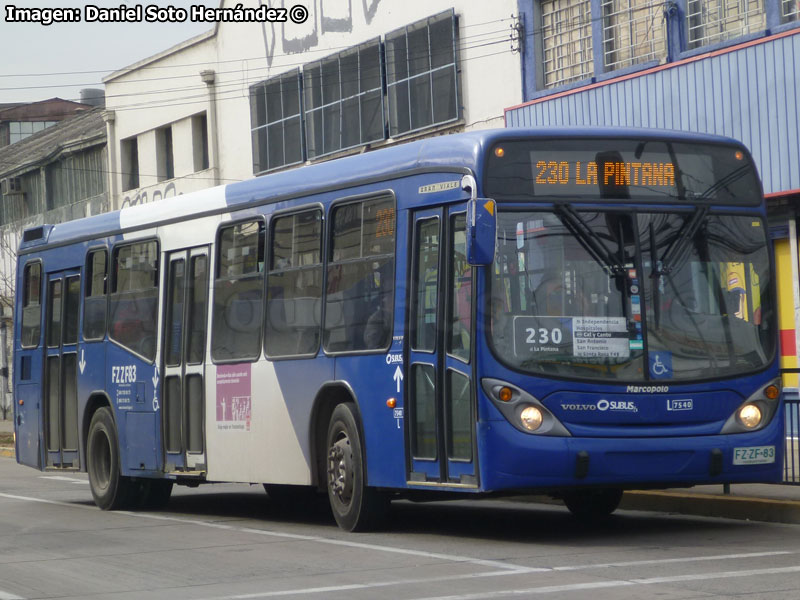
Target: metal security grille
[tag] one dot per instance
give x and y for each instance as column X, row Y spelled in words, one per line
column 711, row 21
column 566, row 41
column 275, row 119
column 791, row 460
column 422, row 74
column 634, row 31
column 344, row 100
column 790, row 10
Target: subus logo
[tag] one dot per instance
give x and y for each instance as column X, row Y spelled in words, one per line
column 615, row 405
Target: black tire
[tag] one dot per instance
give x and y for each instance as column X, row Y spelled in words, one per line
column 593, row 504
column 355, row 506
column 110, row 490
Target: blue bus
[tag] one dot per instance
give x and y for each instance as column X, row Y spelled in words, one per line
column 567, row 312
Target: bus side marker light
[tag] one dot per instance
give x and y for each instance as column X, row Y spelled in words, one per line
column 391, row 402
column 21, row 402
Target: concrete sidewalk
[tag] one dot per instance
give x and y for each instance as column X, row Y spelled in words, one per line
column 753, row 501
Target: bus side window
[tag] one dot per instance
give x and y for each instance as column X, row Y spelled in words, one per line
column 134, row 297
column 31, row 305
column 95, row 290
column 238, row 292
column 460, row 309
column 294, row 290
column 360, row 289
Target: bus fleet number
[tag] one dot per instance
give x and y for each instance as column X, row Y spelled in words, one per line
column 543, row 336
column 126, row 374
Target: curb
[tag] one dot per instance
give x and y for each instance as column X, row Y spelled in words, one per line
column 7, row 452
column 710, row 505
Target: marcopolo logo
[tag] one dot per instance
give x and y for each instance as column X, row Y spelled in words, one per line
column 603, row 405
column 647, row 389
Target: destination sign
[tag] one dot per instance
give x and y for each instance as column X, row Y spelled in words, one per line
column 599, row 169
column 551, row 172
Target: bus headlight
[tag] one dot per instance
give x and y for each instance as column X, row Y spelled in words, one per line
column 755, row 412
column 521, row 409
column 531, row 418
column 750, row 416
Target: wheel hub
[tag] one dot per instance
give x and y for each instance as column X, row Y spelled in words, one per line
column 340, row 470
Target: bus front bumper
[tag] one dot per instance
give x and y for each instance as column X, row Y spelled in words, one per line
column 512, row 460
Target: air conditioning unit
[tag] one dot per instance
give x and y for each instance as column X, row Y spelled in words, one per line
column 10, row 185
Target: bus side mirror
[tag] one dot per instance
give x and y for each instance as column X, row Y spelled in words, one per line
column 481, row 226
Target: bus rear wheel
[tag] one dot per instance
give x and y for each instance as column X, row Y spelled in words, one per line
column 355, row 506
column 593, row 504
column 110, row 489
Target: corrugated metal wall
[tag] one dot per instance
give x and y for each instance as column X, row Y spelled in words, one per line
column 751, row 93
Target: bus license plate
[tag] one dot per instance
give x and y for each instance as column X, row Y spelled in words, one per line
column 755, row 455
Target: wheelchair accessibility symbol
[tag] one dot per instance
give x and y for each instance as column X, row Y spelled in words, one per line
column 661, row 365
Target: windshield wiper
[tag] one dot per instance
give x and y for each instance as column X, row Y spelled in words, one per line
column 588, row 238
column 687, row 232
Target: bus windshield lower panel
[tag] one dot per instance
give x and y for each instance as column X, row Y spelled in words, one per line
column 631, row 296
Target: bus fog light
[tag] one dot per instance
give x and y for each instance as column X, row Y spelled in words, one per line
column 531, row 418
column 750, row 416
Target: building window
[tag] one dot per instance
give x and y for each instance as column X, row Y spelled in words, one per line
column 344, row 100
column 712, row 21
column 75, row 178
column 422, row 74
column 165, row 158
column 566, row 38
column 275, row 121
column 19, row 130
column 130, row 164
column 200, row 142
column 634, row 31
column 790, row 10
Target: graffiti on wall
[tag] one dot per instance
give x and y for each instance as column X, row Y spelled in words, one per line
column 325, row 16
column 150, row 195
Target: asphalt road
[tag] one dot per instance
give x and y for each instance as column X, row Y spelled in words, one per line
column 230, row 542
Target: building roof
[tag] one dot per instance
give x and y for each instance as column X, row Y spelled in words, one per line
column 85, row 129
column 53, row 109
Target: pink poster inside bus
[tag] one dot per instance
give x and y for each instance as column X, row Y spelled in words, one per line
column 234, row 400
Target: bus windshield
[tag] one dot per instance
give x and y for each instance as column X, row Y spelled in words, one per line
column 631, row 296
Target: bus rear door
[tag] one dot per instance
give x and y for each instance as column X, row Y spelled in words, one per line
column 441, row 402
column 62, row 299
column 184, row 347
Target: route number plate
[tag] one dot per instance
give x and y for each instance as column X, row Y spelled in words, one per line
column 754, row 455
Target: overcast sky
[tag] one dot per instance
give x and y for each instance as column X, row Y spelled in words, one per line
column 28, row 51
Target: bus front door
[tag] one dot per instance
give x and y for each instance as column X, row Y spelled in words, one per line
column 440, row 392
column 61, row 370
column 183, row 355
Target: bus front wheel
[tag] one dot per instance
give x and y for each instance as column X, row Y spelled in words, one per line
column 593, row 504
column 355, row 506
column 110, row 490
